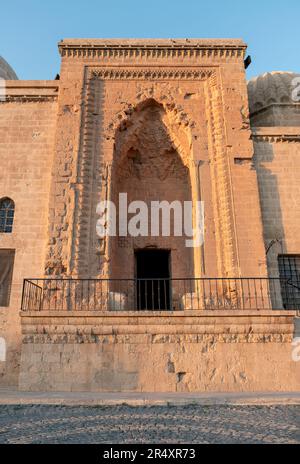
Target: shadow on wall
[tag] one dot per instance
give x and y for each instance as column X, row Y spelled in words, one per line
column 274, row 236
column 2, row 350
column 297, row 328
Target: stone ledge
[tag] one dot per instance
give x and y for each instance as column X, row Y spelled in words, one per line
column 30, row 91
column 164, row 314
column 276, row 134
column 16, row 397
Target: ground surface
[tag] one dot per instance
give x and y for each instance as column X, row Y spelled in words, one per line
column 149, row 424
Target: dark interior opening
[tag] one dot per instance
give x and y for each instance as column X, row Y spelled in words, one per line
column 153, row 286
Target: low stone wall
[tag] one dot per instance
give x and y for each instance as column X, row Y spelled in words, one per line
column 207, row 351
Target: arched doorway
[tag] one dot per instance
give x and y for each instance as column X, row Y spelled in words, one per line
column 147, row 167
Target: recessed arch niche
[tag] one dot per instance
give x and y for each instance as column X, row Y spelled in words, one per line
column 152, row 162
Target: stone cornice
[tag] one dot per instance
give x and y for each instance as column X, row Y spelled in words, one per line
column 30, row 91
column 275, row 134
column 276, row 138
column 152, row 48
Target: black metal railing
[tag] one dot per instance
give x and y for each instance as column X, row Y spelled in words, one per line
column 159, row 294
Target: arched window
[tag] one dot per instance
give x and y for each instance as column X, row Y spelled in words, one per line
column 7, row 212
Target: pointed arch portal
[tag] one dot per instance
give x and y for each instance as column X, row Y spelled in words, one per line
column 152, row 162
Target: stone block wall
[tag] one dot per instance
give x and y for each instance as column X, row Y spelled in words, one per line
column 277, row 162
column 27, row 130
column 216, row 351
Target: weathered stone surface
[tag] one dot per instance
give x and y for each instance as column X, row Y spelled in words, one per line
column 250, row 353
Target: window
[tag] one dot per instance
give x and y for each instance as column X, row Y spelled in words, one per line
column 7, row 212
column 6, row 272
column 289, row 272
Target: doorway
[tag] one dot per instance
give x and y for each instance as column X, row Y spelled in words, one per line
column 153, row 284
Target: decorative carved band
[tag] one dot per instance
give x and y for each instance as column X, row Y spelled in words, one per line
column 89, row 51
column 227, row 256
column 29, row 98
column 151, row 73
column 51, row 335
column 275, row 138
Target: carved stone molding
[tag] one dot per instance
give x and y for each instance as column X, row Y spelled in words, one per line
column 29, row 98
column 173, row 49
column 227, row 256
column 89, row 335
column 276, row 138
column 88, row 165
column 144, row 73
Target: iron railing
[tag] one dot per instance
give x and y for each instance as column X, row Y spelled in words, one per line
column 159, row 294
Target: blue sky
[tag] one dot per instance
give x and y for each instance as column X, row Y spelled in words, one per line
column 30, row 29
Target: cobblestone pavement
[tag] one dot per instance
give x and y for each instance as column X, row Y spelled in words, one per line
column 145, row 424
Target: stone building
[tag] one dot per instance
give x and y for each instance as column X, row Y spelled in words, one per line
column 159, row 120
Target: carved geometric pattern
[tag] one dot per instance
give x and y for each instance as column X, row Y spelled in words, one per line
column 144, row 168
column 87, row 164
column 87, row 334
column 29, row 98
column 181, row 51
column 225, row 230
column 275, row 138
column 152, row 73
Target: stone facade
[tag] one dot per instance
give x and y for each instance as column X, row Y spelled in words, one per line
column 27, row 128
column 165, row 74
column 157, row 119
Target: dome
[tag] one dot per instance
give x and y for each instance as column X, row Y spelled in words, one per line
column 269, row 88
column 6, row 71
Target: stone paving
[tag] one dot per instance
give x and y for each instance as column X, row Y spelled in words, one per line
column 124, row 424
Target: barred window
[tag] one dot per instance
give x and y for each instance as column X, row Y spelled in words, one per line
column 289, row 272
column 7, row 212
